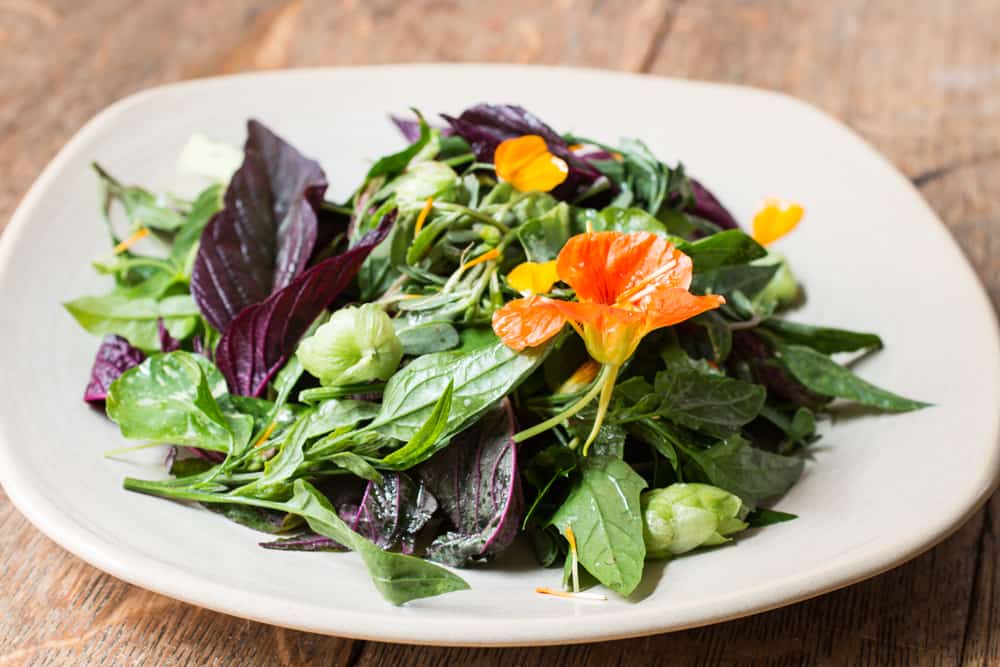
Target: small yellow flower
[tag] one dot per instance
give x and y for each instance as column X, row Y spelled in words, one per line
column 775, row 218
column 533, row 277
column 526, row 163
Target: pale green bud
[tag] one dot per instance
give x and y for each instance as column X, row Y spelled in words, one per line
column 783, row 289
column 682, row 517
column 357, row 344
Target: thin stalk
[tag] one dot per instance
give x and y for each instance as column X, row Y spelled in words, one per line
column 607, row 389
column 596, row 389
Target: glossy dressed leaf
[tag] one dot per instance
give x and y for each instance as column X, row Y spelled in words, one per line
column 426, row 337
column 173, row 398
column 114, row 357
column 746, row 278
column 544, row 236
column 723, row 249
column 480, row 377
column 393, row 510
column 258, row 342
column 477, row 484
column 428, row 437
column 752, row 474
column 823, row 339
column 135, row 319
column 823, row 375
column 603, row 511
column 263, row 237
column 338, row 413
column 614, row 219
column 714, row 404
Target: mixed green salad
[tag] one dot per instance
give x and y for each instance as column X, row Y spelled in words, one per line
column 504, row 331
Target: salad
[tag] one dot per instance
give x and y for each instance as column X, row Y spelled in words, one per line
column 504, row 334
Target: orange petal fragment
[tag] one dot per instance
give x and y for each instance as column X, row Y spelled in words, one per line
column 526, row 163
column 527, row 322
column 490, row 254
column 137, row 236
column 615, row 267
column 775, row 218
column 422, row 217
column 533, row 277
column 672, row 305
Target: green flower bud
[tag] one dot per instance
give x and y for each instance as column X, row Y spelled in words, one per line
column 783, row 289
column 355, row 345
column 682, row 517
column 427, row 179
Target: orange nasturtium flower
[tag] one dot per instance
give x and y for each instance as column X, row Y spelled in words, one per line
column 775, row 219
column 627, row 285
column 526, row 163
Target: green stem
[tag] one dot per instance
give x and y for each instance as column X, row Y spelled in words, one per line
column 596, row 389
column 607, row 389
column 472, row 213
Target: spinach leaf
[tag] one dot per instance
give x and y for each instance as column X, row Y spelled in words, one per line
column 753, row 474
column 603, row 511
column 172, row 398
column 825, row 376
column 477, row 483
column 823, row 339
column 135, row 319
column 723, row 249
column 480, row 377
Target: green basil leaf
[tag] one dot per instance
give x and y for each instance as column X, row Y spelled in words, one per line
column 763, row 517
column 615, row 219
column 338, row 413
column 603, row 511
column 543, row 237
column 390, row 165
column 425, row 337
column 185, row 247
column 714, row 404
column 135, row 319
column 752, row 474
column 357, row 465
column 427, row 439
column 480, row 377
column 726, row 248
column 746, row 278
column 172, row 398
column 824, row 376
column 823, row 339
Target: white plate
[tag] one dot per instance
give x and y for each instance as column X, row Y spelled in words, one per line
column 880, row 490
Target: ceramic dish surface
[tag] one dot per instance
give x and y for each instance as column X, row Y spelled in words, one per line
column 872, row 255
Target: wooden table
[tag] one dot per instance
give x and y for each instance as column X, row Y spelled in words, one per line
column 920, row 79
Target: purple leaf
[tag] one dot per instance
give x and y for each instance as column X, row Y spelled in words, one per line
column 757, row 354
column 306, row 542
column 486, row 125
column 263, row 237
column 707, row 207
column 410, row 128
column 167, row 342
column 394, row 511
column 258, row 341
column 477, row 484
column 114, row 357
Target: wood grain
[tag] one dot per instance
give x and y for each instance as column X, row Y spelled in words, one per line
column 920, row 79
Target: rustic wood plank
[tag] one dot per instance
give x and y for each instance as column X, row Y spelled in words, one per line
column 919, row 79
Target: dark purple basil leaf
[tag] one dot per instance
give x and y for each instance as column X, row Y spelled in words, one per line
column 264, row 235
column 486, row 125
column 257, row 342
column 409, row 128
column 306, row 542
column 707, row 207
column 167, row 342
column 477, row 484
column 394, row 511
column 114, row 357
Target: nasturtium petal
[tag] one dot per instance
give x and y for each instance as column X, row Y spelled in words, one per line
column 526, row 163
column 528, row 322
column 775, row 219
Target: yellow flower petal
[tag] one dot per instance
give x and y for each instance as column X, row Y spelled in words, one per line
column 533, row 277
column 526, row 163
column 775, row 219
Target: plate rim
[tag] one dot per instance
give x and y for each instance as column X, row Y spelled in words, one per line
column 152, row 574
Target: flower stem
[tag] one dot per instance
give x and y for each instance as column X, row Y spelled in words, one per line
column 607, row 389
column 596, row 389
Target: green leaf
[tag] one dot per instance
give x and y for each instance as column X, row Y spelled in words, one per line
column 336, row 413
column 480, row 377
column 753, row 474
column 603, row 511
column 135, row 319
column 427, row 439
column 824, row 376
column 393, row 164
column 185, row 247
column 823, row 339
column 172, row 398
column 425, row 337
column 763, row 517
column 726, row 248
column 143, row 208
column 282, row 467
column 746, row 278
column 357, row 465
column 397, row 577
column 615, row 219
column 720, row 336
column 543, row 237
column 707, row 402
